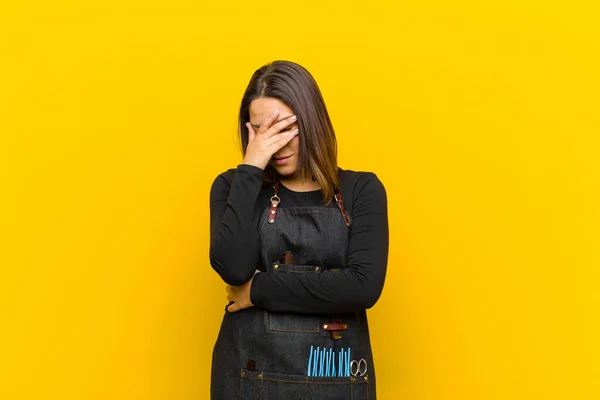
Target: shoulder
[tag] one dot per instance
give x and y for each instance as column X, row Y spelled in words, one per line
column 354, row 182
column 227, row 177
column 222, row 183
column 361, row 186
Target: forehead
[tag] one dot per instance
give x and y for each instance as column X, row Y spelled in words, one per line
column 262, row 107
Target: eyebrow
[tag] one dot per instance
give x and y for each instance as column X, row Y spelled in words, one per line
column 279, row 120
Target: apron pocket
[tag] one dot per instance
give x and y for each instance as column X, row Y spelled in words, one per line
column 289, row 322
column 256, row 385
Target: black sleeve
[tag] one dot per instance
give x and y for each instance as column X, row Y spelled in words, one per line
column 234, row 245
column 356, row 287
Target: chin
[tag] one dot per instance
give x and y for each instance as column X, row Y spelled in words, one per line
column 284, row 170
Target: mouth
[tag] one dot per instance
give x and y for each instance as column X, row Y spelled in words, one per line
column 281, row 160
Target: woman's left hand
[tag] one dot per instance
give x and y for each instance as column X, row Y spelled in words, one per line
column 240, row 295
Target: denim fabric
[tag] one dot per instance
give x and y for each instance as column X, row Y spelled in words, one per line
column 267, row 385
column 280, row 342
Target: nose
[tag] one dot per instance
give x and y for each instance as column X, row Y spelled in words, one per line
column 281, row 151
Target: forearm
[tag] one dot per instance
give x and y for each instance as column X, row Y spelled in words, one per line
column 356, row 286
column 234, row 241
column 329, row 292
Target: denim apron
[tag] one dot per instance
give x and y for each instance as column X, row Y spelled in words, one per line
column 264, row 355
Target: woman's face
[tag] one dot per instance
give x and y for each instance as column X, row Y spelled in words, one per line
column 285, row 160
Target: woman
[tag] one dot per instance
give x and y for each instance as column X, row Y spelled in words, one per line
column 302, row 246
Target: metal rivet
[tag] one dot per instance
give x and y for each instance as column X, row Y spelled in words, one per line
column 324, row 326
column 273, row 212
column 274, row 204
column 243, row 373
column 271, row 220
column 275, row 266
column 366, row 378
column 352, row 379
column 316, row 269
column 259, row 376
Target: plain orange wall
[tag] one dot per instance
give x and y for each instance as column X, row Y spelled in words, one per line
column 481, row 117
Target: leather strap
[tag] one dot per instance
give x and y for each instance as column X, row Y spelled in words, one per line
column 275, row 204
column 340, row 203
column 335, row 329
column 335, row 326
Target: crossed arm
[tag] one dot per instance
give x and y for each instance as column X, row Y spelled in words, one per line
column 234, row 252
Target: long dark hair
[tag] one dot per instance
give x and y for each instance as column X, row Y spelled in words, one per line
column 294, row 85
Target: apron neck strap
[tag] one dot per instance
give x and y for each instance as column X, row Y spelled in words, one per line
column 275, row 200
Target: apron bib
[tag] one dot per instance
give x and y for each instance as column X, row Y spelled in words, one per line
column 264, row 355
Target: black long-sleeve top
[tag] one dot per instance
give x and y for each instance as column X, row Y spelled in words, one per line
column 238, row 199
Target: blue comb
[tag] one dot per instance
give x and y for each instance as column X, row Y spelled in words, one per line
column 315, row 360
column 321, row 362
column 333, row 370
column 348, row 363
column 310, row 360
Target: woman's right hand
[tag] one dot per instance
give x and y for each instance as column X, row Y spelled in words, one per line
column 262, row 145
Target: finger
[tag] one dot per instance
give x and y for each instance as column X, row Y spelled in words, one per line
column 268, row 122
column 282, row 126
column 251, row 133
column 283, row 139
column 233, row 307
column 230, row 297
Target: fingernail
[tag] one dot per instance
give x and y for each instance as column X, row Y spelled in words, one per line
column 293, row 117
column 276, row 112
column 295, row 131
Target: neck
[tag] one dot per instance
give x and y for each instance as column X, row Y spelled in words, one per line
column 298, row 185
